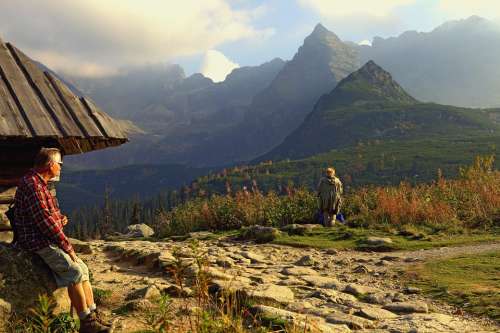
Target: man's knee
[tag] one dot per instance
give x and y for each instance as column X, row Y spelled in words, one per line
column 84, row 270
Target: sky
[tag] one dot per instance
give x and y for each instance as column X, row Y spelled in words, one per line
column 96, row 38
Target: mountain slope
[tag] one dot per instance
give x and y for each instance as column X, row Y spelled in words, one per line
column 457, row 63
column 370, row 105
column 320, row 63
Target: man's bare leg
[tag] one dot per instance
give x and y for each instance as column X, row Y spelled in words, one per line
column 89, row 295
column 77, row 296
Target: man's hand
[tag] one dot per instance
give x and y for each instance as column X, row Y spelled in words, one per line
column 73, row 256
column 64, row 220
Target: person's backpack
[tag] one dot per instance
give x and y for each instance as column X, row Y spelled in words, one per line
column 11, row 216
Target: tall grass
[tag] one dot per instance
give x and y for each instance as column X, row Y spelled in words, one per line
column 471, row 201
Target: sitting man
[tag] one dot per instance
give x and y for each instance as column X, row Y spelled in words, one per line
column 39, row 229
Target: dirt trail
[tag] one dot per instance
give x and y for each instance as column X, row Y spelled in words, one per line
column 321, row 283
column 448, row 252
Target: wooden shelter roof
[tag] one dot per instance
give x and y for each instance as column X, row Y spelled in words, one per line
column 36, row 107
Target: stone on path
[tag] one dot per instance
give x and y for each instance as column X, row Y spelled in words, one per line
column 150, row 293
column 305, row 261
column 225, row 262
column 374, row 313
column 334, row 296
column 353, row 322
column 412, row 290
column 407, row 307
column 260, row 233
column 176, row 291
column 300, row 322
column 271, row 292
column 141, row 305
column 299, row 271
column 378, row 241
column 321, row 281
column 357, row 290
column 254, row 257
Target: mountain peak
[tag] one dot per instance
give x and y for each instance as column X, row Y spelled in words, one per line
column 322, row 34
column 468, row 24
column 372, row 82
column 320, row 29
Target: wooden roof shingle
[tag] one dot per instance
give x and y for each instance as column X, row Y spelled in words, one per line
column 36, row 106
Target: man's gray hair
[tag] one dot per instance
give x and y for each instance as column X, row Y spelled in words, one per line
column 45, row 156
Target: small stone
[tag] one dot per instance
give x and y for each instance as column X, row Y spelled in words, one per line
column 254, row 257
column 412, row 290
column 357, row 290
column 382, row 263
column 244, row 261
column 390, row 258
column 407, row 307
column 332, row 251
column 305, row 261
column 225, row 262
column 176, row 291
column 373, row 313
column 115, row 268
column 378, row 241
column 321, row 281
column 361, row 269
column 139, row 305
column 151, row 292
column 300, row 271
column 272, row 292
column 353, row 322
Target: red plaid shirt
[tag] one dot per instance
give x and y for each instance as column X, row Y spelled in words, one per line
column 38, row 220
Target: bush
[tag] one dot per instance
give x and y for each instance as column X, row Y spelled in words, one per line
column 471, row 201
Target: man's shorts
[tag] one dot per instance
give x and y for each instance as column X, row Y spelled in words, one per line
column 65, row 270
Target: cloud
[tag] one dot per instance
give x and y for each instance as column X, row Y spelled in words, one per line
column 359, row 19
column 365, row 42
column 95, row 37
column 341, row 8
column 217, row 66
column 464, row 8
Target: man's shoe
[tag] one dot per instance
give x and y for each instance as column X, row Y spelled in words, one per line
column 91, row 325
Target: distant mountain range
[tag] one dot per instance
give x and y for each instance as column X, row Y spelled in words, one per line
column 194, row 121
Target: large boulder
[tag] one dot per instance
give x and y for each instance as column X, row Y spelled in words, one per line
column 23, row 277
column 139, row 230
column 260, row 234
column 80, row 246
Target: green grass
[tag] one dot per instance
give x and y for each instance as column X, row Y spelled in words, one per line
column 101, row 296
column 471, row 282
column 341, row 237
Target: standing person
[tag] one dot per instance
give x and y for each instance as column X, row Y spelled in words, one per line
column 329, row 197
column 39, row 227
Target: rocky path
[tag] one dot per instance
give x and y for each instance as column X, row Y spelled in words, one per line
column 333, row 291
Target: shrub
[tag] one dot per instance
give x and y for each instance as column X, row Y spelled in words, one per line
column 473, row 200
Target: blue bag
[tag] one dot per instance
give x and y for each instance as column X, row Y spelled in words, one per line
column 340, row 217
